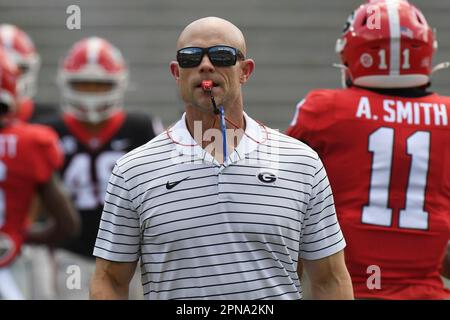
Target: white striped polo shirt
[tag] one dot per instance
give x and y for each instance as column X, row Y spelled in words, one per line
column 209, row 231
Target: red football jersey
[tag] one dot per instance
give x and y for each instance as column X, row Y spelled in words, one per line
column 388, row 160
column 28, row 156
column 26, row 109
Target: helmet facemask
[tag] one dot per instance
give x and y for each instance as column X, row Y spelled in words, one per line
column 93, row 91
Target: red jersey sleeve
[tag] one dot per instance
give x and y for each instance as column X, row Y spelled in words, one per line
column 26, row 109
column 50, row 156
column 308, row 119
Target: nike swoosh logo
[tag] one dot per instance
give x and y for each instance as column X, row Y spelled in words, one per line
column 170, row 185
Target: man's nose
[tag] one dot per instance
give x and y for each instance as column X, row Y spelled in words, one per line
column 206, row 65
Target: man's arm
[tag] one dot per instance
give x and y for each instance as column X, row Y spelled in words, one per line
column 329, row 278
column 64, row 219
column 111, row 279
column 300, row 269
column 446, row 263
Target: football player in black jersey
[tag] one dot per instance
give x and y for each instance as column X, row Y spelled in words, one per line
column 94, row 132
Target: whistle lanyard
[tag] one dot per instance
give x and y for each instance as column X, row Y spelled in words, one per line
column 224, row 133
column 223, row 126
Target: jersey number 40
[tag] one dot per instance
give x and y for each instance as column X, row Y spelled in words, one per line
column 87, row 177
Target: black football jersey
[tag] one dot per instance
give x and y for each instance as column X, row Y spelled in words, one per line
column 89, row 161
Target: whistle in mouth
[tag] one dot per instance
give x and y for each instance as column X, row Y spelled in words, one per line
column 207, row 85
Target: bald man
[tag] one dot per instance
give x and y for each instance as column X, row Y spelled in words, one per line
column 219, row 206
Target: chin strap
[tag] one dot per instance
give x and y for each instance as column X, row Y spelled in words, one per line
column 440, row 66
column 343, row 69
column 339, row 66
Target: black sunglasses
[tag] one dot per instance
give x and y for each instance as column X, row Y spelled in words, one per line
column 220, row 56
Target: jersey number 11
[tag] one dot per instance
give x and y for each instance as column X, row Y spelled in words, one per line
column 376, row 212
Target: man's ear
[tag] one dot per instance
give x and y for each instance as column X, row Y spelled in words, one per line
column 175, row 70
column 247, row 66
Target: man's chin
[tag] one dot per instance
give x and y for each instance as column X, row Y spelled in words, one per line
column 203, row 105
column 206, row 103
column 208, row 107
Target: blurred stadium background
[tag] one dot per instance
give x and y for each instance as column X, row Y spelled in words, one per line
column 292, row 43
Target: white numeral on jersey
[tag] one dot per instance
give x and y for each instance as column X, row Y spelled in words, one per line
column 87, row 192
column 413, row 216
column 104, row 165
column 381, row 144
column 78, row 180
column 377, row 212
column 2, row 194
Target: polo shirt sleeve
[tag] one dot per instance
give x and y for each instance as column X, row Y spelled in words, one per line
column 118, row 236
column 321, row 235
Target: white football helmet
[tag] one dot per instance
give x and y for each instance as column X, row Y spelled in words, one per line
column 93, row 60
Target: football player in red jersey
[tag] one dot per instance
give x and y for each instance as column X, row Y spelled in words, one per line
column 21, row 50
column 385, row 142
column 94, row 131
column 29, row 158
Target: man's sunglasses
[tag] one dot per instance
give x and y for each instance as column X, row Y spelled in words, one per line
column 220, row 56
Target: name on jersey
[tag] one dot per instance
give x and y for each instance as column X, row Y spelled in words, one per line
column 8, row 145
column 409, row 112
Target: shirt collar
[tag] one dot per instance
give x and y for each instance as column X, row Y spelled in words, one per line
column 186, row 145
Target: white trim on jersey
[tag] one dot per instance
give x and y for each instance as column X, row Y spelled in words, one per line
column 8, row 287
column 209, row 231
column 297, row 111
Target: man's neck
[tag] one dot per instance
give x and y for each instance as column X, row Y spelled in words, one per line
column 205, row 128
column 415, row 92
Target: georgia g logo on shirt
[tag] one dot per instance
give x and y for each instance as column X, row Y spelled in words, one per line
column 267, row 177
